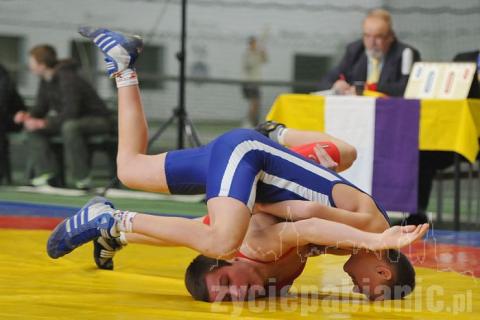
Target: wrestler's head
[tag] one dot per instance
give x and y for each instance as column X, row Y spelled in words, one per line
column 211, row 280
column 381, row 275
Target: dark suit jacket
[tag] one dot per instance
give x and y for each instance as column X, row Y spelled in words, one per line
column 471, row 56
column 67, row 93
column 10, row 102
column 354, row 66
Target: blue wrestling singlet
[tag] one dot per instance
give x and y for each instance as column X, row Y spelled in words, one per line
column 245, row 165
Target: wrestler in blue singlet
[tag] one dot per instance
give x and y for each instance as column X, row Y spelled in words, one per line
column 245, row 165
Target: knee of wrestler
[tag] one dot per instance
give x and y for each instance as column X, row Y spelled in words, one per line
column 221, row 246
column 123, row 177
column 125, row 173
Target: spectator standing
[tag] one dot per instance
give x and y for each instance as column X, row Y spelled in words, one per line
column 253, row 59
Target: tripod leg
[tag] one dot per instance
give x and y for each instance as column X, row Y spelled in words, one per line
column 192, row 133
column 114, row 182
column 161, row 129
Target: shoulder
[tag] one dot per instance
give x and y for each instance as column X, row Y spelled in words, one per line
column 355, row 46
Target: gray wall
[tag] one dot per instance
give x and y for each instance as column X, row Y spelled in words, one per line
column 218, row 29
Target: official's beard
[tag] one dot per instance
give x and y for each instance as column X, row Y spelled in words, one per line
column 375, row 53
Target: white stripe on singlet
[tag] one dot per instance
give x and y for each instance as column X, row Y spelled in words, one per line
column 243, row 148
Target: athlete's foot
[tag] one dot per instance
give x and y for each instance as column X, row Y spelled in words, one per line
column 120, row 50
column 268, row 126
column 103, row 251
column 93, row 220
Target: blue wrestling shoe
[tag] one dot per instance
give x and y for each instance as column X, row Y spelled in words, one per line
column 93, row 220
column 103, row 251
column 120, row 50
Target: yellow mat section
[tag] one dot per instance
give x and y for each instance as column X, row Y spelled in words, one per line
column 148, row 284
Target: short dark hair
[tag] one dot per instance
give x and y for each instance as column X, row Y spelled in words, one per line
column 195, row 276
column 45, row 54
column 403, row 280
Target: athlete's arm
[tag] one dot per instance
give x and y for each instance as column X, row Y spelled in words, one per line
column 294, row 210
column 329, row 233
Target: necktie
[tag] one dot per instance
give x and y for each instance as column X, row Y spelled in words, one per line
column 374, row 74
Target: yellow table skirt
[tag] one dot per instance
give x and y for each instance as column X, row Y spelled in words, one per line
column 445, row 125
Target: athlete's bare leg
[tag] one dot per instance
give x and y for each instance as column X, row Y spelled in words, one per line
column 229, row 217
column 137, row 170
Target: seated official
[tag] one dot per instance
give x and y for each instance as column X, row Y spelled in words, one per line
column 379, row 60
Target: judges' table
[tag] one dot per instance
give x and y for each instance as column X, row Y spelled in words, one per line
column 388, row 132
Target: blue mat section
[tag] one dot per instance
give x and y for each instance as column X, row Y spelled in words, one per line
column 12, row 208
column 461, row 238
column 38, row 210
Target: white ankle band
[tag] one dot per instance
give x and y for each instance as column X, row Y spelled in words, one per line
column 124, row 220
column 127, row 77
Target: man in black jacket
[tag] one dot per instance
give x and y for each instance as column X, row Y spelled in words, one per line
column 379, row 60
column 10, row 103
column 66, row 105
column 471, row 56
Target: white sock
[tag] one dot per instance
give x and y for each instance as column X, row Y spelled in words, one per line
column 124, row 221
column 278, row 135
column 281, row 136
column 127, row 77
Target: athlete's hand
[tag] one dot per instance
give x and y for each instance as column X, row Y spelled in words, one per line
column 400, row 236
column 324, row 158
